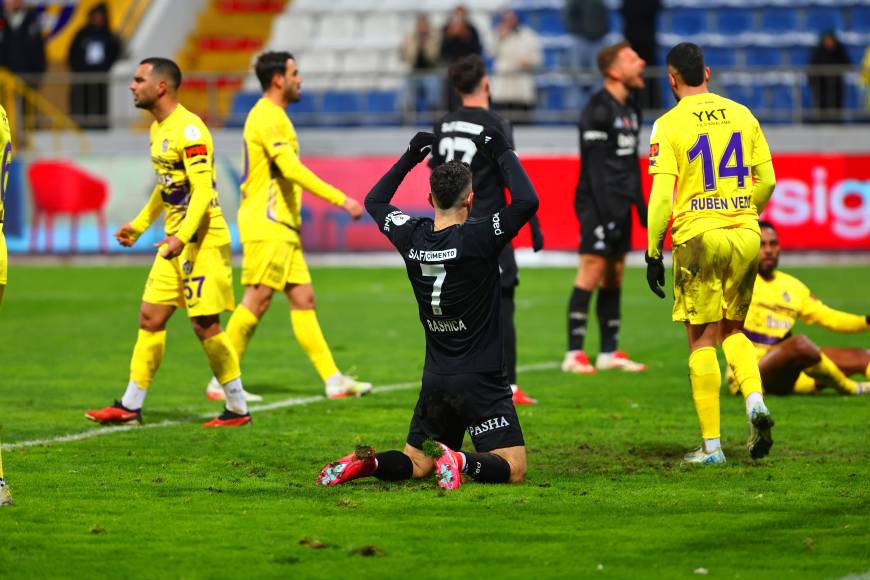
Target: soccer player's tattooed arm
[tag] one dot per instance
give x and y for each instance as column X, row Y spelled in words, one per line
column 764, row 184
column 128, row 233
column 815, row 312
column 292, row 168
column 661, row 201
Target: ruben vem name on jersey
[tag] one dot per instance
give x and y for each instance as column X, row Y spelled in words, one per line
column 720, row 203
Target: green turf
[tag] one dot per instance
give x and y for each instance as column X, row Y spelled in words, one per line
column 605, row 495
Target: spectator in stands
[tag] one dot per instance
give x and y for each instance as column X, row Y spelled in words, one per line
column 459, row 38
column 516, row 54
column 421, row 50
column 22, row 48
column 639, row 27
column 588, row 22
column 827, row 86
column 94, row 50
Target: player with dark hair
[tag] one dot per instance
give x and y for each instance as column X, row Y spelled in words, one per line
column 452, row 263
column 609, row 186
column 453, row 140
column 793, row 363
column 273, row 178
column 192, row 268
column 711, row 149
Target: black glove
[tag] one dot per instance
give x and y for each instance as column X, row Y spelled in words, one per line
column 537, row 239
column 420, row 146
column 492, row 142
column 655, row 275
column 642, row 215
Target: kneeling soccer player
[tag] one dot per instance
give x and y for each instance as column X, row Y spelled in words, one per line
column 793, row 363
column 452, row 263
column 192, row 269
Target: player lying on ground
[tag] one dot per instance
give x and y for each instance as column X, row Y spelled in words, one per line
column 609, row 186
column 452, row 263
column 192, row 267
column 711, row 148
column 270, row 221
column 453, row 134
column 794, row 364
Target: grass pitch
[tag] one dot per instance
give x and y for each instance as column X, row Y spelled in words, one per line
column 605, row 495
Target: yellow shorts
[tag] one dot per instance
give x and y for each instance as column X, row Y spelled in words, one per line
column 4, row 262
column 274, row 264
column 199, row 280
column 714, row 274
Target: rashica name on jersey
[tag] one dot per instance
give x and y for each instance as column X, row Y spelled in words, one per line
column 454, row 325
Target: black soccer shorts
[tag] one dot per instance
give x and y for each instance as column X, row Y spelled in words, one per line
column 592, row 236
column 477, row 403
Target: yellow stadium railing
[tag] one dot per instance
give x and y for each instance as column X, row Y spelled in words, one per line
column 28, row 110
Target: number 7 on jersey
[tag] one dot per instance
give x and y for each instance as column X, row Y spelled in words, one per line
column 438, row 272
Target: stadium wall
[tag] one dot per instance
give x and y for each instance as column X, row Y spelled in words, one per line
column 822, row 200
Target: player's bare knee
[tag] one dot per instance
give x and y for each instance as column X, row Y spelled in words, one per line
column 151, row 322
column 806, row 350
column 257, row 299
column 206, row 327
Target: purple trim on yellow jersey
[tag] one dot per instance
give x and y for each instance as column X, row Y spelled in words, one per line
column 760, row 338
column 177, row 196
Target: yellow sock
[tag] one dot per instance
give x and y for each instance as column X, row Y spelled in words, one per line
column 1, row 462
column 147, row 356
column 222, row 358
column 706, row 381
column 240, row 329
column 829, row 374
column 740, row 355
column 310, row 338
column 804, row 385
column 867, row 371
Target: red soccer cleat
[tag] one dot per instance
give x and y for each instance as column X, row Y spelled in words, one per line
column 360, row 463
column 448, row 468
column 229, row 419
column 577, row 362
column 115, row 413
column 618, row 360
column 521, row 398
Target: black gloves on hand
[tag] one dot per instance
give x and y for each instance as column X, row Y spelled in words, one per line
column 655, row 275
column 491, row 141
column 420, row 146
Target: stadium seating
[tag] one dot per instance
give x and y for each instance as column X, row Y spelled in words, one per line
column 348, row 49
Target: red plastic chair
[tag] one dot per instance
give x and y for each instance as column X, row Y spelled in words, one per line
column 60, row 187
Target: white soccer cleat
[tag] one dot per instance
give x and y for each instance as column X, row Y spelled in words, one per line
column 617, row 360
column 862, row 388
column 5, row 494
column 341, row 386
column 577, row 362
column 701, row 457
column 215, row 392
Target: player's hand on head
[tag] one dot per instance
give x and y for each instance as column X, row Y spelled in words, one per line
column 352, row 207
column 420, row 146
column 492, row 141
column 170, row 247
column 655, row 275
column 126, row 235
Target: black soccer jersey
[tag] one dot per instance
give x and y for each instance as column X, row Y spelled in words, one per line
column 453, row 134
column 610, row 171
column 454, row 272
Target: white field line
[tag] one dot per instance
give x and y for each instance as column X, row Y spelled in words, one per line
column 294, row 402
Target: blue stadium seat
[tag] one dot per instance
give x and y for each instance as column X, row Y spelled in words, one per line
column 341, row 102
column 550, row 23
column 734, row 20
column 615, row 21
column 856, row 52
column 778, row 20
column 750, row 95
column 688, row 22
column 861, row 19
column 716, row 56
column 821, row 18
column 555, row 57
column 781, row 101
column 799, row 55
column 764, row 56
column 307, row 103
column 552, row 97
column 382, row 102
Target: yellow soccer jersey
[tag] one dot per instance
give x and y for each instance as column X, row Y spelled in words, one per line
column 182, row 154
column 273, row 177
column 5, row 159
column 710, row 143
column 779, row 302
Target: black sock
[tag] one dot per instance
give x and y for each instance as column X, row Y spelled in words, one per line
column 608, row 317
column 393, row 466
column 510, row 334
column 486, row 467
column 578, row 313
